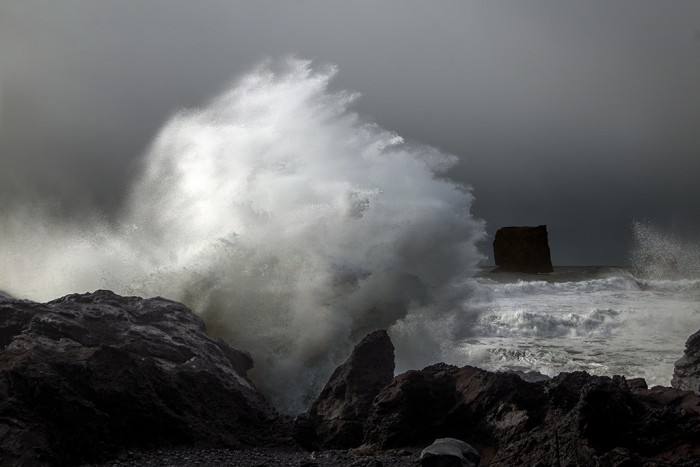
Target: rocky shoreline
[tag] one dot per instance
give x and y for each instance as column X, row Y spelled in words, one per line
column 100, row 379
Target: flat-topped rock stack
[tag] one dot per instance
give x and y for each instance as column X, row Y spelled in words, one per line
column 522, row 249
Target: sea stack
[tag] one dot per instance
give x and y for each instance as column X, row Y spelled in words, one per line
column 522, row 249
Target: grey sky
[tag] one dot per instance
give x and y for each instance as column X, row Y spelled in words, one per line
column 580, row 115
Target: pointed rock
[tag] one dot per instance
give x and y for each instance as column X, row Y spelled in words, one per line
column 337, row 417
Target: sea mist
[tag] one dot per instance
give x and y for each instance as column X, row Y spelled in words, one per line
column 658, row 254
column 292, row 225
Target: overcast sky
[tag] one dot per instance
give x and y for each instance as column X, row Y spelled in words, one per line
column 579, row 115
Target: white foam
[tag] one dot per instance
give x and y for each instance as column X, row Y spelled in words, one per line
column 615, row 324
column 524, row 323
column 293, row 225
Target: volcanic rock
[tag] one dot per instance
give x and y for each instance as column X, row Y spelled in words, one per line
column 87, row 375
column 449, row 452
column 446, row 401
column 336, row 419
column 686, row 374
column 522, row 249
column 529, row 376
column 572, row 419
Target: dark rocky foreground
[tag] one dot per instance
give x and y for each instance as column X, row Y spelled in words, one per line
column 261, row 456
column 107, row 380
column 84, row 376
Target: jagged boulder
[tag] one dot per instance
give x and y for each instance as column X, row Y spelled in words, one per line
column 571, row 419
column 446, row 401
column 522, row 249
column 86, row 375
column 336, row 418
column 686, row 374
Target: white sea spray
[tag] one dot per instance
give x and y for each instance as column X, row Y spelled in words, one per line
column 291, row 224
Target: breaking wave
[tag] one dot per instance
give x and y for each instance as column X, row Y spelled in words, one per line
column 286, row 220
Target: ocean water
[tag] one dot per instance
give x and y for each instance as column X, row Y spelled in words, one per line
column 603, row 320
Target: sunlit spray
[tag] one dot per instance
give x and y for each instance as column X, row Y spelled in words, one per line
column 292, row 225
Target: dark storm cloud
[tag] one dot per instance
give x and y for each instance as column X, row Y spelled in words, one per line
column 581, row 115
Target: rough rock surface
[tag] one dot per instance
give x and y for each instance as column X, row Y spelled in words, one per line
column 260, row 457
column 86, row 375
column 686, row 374
column 92, row 377
column 522, row 249
column 572, row 419
column 336, row 419
column 448, row 452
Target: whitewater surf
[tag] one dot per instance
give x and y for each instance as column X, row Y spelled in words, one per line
column 630, row 321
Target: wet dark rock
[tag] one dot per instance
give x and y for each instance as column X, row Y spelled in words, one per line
column 522, row 249
column 686, row 374
column 336, row 418
column 449, row 452
column 96, row 376
column 571, row 419
column 268, row 456
column 529, row 376
column 86, row 375
column 443, row 401
column 637, row 383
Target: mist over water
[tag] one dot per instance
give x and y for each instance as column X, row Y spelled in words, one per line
column 660, row 255
column 292, row 225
